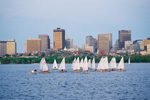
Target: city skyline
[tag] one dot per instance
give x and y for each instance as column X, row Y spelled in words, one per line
column 21, row 20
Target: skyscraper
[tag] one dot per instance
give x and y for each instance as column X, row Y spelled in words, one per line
column 105, row 42
column 45, row 42
column 69, row 43
column 3, row 48
column 11, row 46
column 124, row 35
column 59, row 38
column 33, row 45
column 91, row 42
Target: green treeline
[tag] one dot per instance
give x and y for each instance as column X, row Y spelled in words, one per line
column 134, row 59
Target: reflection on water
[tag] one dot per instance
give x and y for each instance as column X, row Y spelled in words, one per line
column 17, row 84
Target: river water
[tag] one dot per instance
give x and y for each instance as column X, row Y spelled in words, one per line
column 17, row 84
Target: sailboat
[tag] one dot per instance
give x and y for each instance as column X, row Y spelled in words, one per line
column 55, row 67
column 113, row 64
column 73, row 63
column 89, row 64
column 129, row 61
column 121, row 66
column 81, row 64
column 76, row 67
column 93, row 64
column 43, row 66
column 62, row 67
column 100, row 64
column 85, row 67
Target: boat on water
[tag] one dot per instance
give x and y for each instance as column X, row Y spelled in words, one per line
column 62, row 67
column 43, row 66
column 89, row 64
column 93, row 64
column 129, row 61
column 113, row 65
column 76, row 66
column 55, row 67
column 33, row 71
column 120, row 67
column 85, row 67
column 103, row 65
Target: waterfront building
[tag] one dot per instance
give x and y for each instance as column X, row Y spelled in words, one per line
column 127, row 43
column 115, row 47
column 141, row 43
column 145, row 43
column 11, row 47
column 91, row 42
column 45, row 42
column 33, row 45
column 105, row 42
column 59, row 38
column 69, row 43
column 3, row 48
column 51, row 44
column 124, row 35
column 148, row 48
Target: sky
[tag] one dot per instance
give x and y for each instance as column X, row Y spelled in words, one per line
column 23, row 19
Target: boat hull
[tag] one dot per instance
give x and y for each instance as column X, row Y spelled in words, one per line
column 45, row 71
column 103, row 70
column 86, row 72
column 63, row 71
column 121, row 70
column 31, row 72
column 77, row 71
column 54, row 68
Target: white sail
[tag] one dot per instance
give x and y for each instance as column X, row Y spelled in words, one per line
column 43, row 65
column 73, row 63
column 112, row 64
column 129, row 61
column 81, row 63
column 77, row 65
column 62, row 64
column 55, row 64
column 89, row 63
column 93, row 63
column 121, row 64
column 105, row 63
column 101, row 63
column 85, row 64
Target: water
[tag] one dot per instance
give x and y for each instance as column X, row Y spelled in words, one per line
column 17, row 84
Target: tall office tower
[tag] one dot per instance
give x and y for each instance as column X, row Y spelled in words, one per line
column 146, row 42
column 59, row 38
column 91, row 42
column 45, row 42
column 124, row 35
column 69, row 43
column 11, row 46
column 3, row 48
column 33, row 45
column 104, row 42
column 51, row 44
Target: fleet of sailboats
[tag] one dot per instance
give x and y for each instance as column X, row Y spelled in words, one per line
column 85, row 65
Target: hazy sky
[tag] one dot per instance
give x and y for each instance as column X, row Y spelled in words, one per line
column 22, row 19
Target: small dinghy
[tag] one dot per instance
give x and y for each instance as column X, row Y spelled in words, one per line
column 43, row 66
column 62, row 67
column 55, row 67
column 121, row 66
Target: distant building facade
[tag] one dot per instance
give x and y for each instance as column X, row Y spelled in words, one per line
column 145, row 43
column 148, row 48
column 59, row 38
column 104, row 42
column 91, row 42
column 45, row 42
column 127, row 43
column 141, row 44
column 69, row 43
column 115, row 47
column 124, row 35
column 33, row 45
column 11, row 46
column 3, row 48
